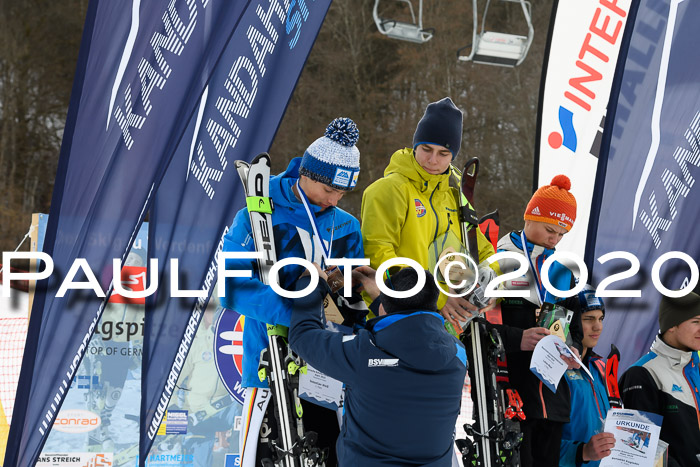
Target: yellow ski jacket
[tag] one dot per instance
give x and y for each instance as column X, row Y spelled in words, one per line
column 404, row 212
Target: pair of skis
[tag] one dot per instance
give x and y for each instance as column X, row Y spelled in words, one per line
column 495, row 433
column 293, row 447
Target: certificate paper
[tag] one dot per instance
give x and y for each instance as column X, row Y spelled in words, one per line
column 636, row 437
column 320, row 389
column 548, row 362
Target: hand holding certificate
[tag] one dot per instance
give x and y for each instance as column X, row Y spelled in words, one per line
column 636, row 438
column 550, row 360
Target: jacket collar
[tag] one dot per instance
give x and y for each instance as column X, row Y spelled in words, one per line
column 677, row 357
column 283, row 194
column 535, row 250
column 381, row 322
column 403, row 162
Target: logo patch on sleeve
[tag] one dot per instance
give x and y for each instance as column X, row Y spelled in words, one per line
column 374, row 362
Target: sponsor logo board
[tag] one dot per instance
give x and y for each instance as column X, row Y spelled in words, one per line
column 76, row 421
column 75, row 459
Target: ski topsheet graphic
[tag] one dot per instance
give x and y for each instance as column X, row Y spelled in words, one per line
column 611, row 379
column 278, row 364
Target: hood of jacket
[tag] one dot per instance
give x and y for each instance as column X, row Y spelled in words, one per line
column 679, row 358
column 403, row 162
column 417, row 338
column 281, row 189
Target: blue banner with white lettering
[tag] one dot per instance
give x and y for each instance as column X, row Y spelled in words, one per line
column 237, row 118
column 142, row 68
column 648, row 200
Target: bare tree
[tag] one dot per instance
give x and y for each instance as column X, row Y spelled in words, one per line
column 38, row 50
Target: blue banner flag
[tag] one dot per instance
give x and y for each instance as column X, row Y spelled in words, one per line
column 141, row 71
column 237, row 118
column 647, row 197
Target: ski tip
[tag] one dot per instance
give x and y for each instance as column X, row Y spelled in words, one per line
column 614, row 351
column 240, row 164
column 471, row 168
column 262, row 156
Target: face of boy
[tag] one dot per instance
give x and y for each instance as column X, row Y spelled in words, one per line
column 685, row 336
column 319, row 193
column 592, row 323
column 433, row 158
column 543, row 233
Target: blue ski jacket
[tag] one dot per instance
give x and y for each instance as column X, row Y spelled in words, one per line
column 293, row 235
column 403, row 378
column 589, row 407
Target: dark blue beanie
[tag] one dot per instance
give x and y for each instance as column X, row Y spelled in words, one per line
column 442, row 125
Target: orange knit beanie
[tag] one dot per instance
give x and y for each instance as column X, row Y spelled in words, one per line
column 553, row 204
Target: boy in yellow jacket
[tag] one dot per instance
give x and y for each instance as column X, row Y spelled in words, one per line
column 413, row 204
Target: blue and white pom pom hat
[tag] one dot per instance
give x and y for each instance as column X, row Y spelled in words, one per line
column 333, row 159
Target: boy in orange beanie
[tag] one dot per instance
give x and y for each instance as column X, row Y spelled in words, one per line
column 553, row 204
column 549, row 215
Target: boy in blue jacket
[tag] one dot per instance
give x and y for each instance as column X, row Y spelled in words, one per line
column 583, row 442
column 305, row 198
column 403, row 375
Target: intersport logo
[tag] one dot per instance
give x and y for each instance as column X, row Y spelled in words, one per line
column 567, row 137
column 592, row 68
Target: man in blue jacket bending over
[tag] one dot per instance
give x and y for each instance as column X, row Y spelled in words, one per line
column 403, row 374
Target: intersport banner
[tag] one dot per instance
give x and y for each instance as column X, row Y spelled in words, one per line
column 582, row 52
column 141, row 70
column 237, row 118
column 649, row 201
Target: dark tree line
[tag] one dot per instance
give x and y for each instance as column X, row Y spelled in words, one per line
column 353, row 71
column 39, row 43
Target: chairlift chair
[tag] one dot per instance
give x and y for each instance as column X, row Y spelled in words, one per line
column 499, row 48
column 412, row 32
